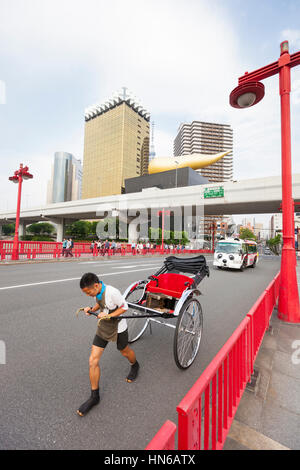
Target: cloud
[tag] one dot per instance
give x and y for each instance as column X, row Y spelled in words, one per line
column 293, row 36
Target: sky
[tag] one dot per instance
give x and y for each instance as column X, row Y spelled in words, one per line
column 181, row 58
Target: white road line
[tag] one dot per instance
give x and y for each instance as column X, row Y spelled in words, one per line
column 72, row 279
column 128, row 266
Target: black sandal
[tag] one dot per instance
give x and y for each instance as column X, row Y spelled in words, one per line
column 133, row 372
column 87, row 405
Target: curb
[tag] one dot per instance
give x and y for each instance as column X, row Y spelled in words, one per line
column 94, row 258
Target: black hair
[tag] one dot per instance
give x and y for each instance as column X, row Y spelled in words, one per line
column 88, row 280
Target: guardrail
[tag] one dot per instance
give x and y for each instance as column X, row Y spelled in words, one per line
column 48, row 250
column 206, row 412
column 165, row 438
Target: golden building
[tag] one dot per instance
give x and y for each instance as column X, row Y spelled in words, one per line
column 116, row 145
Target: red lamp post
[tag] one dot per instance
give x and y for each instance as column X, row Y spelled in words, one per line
column 162, row 213
column 18, row 177
column 249, row 92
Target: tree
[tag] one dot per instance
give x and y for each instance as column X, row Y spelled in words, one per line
column 274, row 243
column 246, row 233
column 41, row 228
column 8, row 229
column 170, row 237
column 79, row 229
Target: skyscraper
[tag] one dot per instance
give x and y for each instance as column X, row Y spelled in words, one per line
column 152, row 148
column 66, row 177
column 207, row 138
column 116, row 145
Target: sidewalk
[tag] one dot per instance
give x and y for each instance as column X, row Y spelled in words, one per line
column 268, row 417
column 90, row 257
column 84, row 257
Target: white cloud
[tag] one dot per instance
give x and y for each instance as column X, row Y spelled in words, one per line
column 293, row 36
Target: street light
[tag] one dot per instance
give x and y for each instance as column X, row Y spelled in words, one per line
column 18, row 177
column 248, row 93
column 177, row 163
column 162, row 213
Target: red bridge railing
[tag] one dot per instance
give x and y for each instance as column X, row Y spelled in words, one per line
column 33, row 250
column 206, row 412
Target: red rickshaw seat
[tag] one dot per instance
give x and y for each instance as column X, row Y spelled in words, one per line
column 171, row 284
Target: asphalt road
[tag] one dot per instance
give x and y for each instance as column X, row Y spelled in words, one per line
column 45, row 377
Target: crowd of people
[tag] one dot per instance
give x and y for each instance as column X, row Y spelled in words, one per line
column 102, row 247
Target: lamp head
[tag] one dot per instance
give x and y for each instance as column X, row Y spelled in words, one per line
column 247, row 94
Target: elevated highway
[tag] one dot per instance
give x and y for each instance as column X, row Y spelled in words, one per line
column 251, row 196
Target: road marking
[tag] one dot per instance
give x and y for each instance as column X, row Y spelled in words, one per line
column 133, row 266
column 128, row 266
column 73, row 279
column 252, row 439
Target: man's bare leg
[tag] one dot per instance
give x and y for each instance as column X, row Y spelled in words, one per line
column 94, row 399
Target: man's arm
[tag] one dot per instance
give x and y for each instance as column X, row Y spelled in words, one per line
column 91, row 309
column 119, row 301
column 116, row 313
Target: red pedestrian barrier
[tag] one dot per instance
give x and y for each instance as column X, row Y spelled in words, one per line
column 164, row 439
column 206, row 412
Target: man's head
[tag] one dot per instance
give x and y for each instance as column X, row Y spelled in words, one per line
column 90, row 284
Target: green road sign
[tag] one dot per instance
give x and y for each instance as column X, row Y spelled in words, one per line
column 214, row 192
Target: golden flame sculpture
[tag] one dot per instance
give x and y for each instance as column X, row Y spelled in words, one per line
column 194, row 161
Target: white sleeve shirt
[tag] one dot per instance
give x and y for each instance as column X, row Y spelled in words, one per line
column 114, row 299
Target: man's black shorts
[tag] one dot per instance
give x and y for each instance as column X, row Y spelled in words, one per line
column 122, row 341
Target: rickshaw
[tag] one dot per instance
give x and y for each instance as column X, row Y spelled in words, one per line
column 169, row 294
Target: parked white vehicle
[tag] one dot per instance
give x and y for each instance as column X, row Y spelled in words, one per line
column 236, row 254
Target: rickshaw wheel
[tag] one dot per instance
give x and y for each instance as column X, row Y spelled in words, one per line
column 188, row 333
column 136, row 326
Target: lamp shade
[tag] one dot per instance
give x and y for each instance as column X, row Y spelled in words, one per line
column 247, row 94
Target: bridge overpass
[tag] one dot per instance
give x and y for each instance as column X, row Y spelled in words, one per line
column 251, row 196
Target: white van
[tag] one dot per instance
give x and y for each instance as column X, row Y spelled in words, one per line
column 236, row 254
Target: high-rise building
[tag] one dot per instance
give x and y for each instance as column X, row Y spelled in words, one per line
column 66, row 178
column 116, row 145
column 207, row 138
column 152, row 148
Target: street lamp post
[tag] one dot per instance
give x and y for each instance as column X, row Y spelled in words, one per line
column 18, row 177
column 177, row 163
column 248, row 93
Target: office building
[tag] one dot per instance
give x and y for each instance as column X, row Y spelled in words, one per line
column 66, row 179
column 207, row 138
column 116, row 145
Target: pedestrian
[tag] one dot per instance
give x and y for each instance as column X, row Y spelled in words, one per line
column 106, row 246
column 111, row 304
column 92, row 246
column 69, row 248
column 64, row 247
